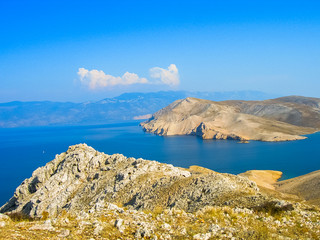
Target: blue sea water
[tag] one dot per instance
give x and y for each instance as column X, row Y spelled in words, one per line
column 22, row 150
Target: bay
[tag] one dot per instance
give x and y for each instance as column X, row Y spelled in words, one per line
column 22, row 150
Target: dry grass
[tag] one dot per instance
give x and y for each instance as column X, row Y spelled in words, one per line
column 20, row 217
column 267, row 222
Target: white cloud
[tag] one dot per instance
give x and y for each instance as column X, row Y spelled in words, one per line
column 168, row 76
column 95, row 79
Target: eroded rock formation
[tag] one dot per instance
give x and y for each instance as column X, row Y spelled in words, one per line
column 83, row 179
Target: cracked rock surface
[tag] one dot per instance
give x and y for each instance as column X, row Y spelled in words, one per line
column 83, row 179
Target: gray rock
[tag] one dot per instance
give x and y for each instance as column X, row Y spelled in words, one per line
column 214, row 228
column 46, row 225
column 202, row 236
column 4, row 220
column 119, row 225
column 166, row 226
column 74, row 181
column 97, row 228
column 64, row 233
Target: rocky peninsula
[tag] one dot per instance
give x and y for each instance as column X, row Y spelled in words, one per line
column 84, row 194
column 281, row 119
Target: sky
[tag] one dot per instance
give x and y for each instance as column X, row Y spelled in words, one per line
column 89, row 50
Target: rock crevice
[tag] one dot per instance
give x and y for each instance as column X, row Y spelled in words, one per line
column 83, row 179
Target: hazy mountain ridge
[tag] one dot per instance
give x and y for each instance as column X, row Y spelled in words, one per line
column 122, row 108
column 269, row 120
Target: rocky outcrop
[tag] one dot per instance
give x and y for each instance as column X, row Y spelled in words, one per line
column 85, row 194
column 221, row 120
column 83, row 180
column 275, row 221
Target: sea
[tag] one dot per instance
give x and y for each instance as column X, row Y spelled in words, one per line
column 22, row 150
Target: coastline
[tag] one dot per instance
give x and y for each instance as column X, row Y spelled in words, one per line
column 221, row 156
column 116, row 196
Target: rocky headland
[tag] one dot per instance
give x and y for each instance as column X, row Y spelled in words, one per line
column 84, row 194
column 281, row 119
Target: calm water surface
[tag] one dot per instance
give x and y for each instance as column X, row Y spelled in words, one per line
column 22, row 150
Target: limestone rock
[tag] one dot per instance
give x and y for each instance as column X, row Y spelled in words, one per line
column 119, row 225
column 4, row 220
column 64, row 233
column 90, row 194
column 83, row 180
column 46, row 225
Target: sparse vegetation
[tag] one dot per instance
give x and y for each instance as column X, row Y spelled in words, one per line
column 138, row 199
column 20, row 217
column 267, row 222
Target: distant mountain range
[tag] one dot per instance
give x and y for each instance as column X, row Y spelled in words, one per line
column 126, row 107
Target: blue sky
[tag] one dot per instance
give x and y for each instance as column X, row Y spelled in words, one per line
column 270, row 46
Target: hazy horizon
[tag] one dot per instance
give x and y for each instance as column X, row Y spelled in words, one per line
column 256, row 95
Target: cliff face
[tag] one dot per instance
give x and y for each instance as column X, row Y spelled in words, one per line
column 225, row 120
column 83, row 179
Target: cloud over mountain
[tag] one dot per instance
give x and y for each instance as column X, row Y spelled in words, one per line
column 95, row 79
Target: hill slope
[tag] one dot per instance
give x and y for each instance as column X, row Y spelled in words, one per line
column 239, row 120
column 296, row 110
column 306, row 186
column 84, row 194
column 82, row 179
